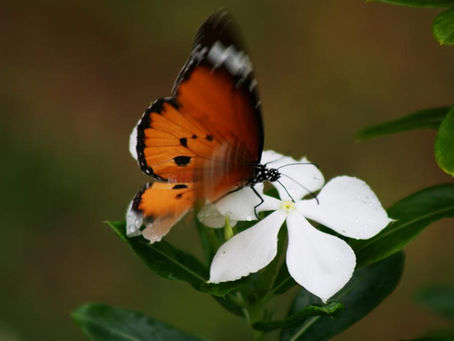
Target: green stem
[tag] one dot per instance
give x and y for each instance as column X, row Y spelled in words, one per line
column 251, row 314
column 228, row 231
column 271, row 293
column 212, row 239
column 242, row 303
column 304, row 327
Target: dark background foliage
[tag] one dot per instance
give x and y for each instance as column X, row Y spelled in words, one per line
column 74, row 79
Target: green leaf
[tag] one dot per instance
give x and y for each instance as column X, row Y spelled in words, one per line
column 439, row 299
column 283, row 281
column 413, row 214
column 365, row 290
column 172, row 263
column 443, row 27
column 332, row 309
column 418, row 3
column 427, row 118
column 230, row 306
column 222, row 289
column 208, row 239
column 444, row 144
column 104, row 323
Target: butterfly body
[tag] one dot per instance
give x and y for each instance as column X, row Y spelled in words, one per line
column 204, row 141
column 262, row 173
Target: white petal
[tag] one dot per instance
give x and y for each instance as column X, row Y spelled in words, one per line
column 211, row 217
column 133, row 142
column 271, row 157
column 299, row 177
column 240, row 205
column 319, row 262
column 248, row 251
column 348, row 206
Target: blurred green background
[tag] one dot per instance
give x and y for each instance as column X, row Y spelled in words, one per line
column 75, row 77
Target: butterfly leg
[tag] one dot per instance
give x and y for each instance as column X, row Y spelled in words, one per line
column 261, row 201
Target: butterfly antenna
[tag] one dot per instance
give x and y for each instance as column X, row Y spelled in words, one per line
column 282, row 156
column 280, row 183
column 299, row 163
column 302, row 186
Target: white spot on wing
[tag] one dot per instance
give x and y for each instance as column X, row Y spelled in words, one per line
column 134, row 221
column 252, row 85
column 133, row 142
column 237, row 62
column 199, row 53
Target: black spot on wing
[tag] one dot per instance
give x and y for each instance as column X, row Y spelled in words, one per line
column 178, row 196
column 184, row 141
column 194, row 136
column 179, row 186
column 209, row 137
column 182, row 160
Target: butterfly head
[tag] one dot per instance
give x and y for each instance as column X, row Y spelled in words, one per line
column 262, row 174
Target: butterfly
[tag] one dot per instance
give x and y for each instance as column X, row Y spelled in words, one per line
column 204, row 141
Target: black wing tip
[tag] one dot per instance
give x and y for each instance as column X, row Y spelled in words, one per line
column 222, row 17
column 219, row 26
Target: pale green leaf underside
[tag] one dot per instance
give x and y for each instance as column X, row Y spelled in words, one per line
column 444, row 144
column 443, row 27
column 427, row 118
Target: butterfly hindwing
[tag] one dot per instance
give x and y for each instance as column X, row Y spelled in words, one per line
column 158, row 206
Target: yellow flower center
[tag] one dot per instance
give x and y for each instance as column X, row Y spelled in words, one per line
column 288, row 206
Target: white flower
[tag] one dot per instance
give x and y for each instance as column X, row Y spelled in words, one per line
column 211, row 217
column 320, row 262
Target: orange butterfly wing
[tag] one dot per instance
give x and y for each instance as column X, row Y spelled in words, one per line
column 161, row 205
column 208, row 136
